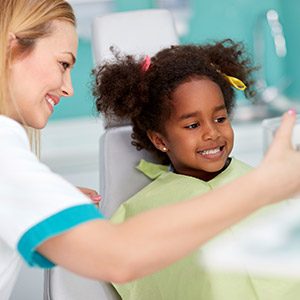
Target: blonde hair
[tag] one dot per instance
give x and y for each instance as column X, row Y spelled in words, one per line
column 27, row 20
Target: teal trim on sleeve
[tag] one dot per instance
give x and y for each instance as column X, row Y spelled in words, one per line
column 54, row 225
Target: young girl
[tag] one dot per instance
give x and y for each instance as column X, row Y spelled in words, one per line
column 180, row 102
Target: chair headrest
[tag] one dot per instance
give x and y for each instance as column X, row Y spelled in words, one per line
column 140, row 32
column 113, row 121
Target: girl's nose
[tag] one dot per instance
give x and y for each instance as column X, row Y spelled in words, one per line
column 211, row 132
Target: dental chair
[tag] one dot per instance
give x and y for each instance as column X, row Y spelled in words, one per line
column 138, row 33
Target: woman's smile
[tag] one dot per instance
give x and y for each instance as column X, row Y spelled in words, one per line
column 52, row 101
column 44, row 75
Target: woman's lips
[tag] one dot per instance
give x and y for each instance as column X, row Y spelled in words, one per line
column 52, row 101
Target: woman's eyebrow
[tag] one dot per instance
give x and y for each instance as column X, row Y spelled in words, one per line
column 73, row 57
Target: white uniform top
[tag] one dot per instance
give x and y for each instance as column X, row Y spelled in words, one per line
column 35, row 204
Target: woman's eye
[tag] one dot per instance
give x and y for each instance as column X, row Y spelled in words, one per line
column 192, row 126
column 65, row 65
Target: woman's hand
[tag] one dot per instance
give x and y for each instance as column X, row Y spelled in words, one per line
column 92, row 194
column 282, row 162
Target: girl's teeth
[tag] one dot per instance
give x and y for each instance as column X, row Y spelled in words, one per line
column 212, row 151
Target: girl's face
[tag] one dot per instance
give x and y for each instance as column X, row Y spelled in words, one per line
column 39, row 79
column 198, row 135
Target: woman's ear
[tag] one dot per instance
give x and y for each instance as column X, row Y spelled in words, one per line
column 11, row 45
column 12, row 39
column 11, row 36
column 157, row 140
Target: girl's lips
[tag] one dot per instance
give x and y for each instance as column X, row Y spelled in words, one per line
column 213, row 153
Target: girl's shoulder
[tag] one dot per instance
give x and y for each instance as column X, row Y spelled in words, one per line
column 152, row 170
column 235, row 169
column 237, row 164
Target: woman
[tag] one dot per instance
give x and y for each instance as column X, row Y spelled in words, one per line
column 47, row 221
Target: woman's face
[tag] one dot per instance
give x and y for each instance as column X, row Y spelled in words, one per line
column 39, row 80
column 198, row 135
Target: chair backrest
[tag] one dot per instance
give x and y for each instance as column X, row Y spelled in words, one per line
column 137, row 33
column 60, row 284
column 119, row 179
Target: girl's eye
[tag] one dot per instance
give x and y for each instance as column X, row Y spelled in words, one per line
column 192, row 126
column 220, row 120
column 65, row 65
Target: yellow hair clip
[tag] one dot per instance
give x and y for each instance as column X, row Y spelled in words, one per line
column 235, row 82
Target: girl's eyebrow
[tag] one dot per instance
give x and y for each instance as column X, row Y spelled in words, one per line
column 194, row 114
column 188, row 115
column 220, row 107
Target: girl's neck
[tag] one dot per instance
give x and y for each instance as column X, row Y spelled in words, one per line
column 203, row 175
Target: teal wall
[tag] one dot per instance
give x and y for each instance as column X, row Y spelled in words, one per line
column 125, row 5
column 214, row 19
column 291, row 15
column 236, row 19
column 210, row 20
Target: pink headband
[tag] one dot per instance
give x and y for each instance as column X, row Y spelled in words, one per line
column 146, row 63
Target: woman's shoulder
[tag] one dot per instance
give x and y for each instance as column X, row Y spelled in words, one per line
column 12, row 134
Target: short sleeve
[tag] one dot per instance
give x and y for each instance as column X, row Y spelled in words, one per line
column 53, row 225
column 36, row 204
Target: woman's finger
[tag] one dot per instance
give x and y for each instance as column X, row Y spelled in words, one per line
column 283, row 136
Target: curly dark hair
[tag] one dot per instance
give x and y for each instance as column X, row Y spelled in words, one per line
column 123, row 90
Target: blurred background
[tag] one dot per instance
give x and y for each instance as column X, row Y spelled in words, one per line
column 269, row 30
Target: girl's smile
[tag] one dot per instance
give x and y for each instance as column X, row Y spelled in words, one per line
column 214, row 153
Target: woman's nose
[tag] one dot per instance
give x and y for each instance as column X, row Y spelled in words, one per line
column 67, row 87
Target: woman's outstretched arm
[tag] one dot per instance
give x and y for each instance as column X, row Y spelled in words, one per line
column 157, row 238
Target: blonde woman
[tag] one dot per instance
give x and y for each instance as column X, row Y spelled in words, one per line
column 46, row 221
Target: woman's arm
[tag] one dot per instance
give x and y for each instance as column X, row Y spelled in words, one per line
column 153, row 240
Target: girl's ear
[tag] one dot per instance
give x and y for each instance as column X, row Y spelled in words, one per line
column 157, row 140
